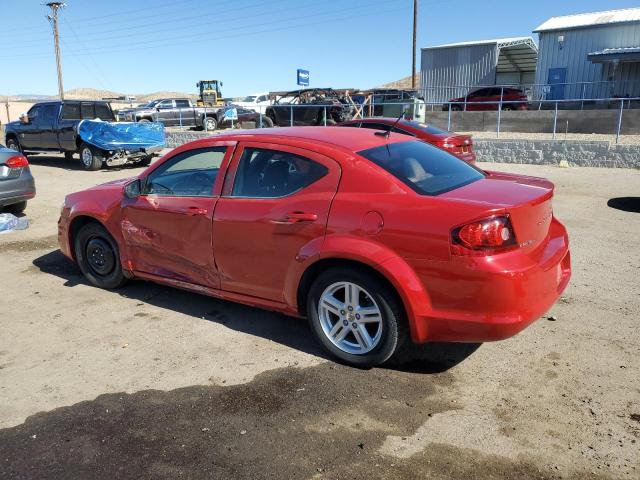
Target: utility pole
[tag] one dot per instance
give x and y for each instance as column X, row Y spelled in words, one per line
column 413, row 58
column 53, row 19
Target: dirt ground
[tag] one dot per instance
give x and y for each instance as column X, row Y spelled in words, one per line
column 151, row 382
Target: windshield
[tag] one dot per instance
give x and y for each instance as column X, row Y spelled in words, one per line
column 423, row 167
column 152, row 103
column 250, row 98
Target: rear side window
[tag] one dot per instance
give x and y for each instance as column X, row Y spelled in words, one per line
column 71, row 111
column 86, row 111
column 264, row 173
column 182, row 104
column 423, row 167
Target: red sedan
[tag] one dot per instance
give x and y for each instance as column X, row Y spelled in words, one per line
column 374, row 237
column 459, row 145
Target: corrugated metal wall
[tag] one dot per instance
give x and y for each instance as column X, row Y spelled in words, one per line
column 577, row 45
column 453, row 66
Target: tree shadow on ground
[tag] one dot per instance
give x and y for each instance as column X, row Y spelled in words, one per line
column 289, row 331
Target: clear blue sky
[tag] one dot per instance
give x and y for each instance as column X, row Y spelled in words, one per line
column 252, row 45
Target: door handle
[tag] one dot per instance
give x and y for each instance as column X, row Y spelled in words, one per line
column 196, row 211
column 299, row 217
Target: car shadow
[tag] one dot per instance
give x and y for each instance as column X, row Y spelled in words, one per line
column 58, row 161
column 289, row 331
column 626, row 204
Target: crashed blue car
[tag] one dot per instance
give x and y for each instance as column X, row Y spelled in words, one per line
column 87, row 128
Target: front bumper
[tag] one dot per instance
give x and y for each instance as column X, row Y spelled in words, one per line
column 493, row 298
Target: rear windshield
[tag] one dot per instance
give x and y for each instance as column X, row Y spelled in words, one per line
column 425, row 128
column 423, row 167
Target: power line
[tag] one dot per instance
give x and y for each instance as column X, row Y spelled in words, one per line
column 200, row 38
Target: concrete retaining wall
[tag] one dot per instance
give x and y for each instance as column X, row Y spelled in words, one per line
column 541, row 152
column 549, row 152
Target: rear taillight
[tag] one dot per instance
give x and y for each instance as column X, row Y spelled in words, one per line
column 17, row 161
column 483, row 236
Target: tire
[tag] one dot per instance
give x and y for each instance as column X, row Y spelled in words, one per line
column 13, row 144
column 210, row 124
column 144, row 120
column 456, row 108
column 507, row 108
column 98, row 257
column 385, row 336
column 17, row 208
column 266, row 122
column 68, row 156
column 91, row 157
column 145, row 162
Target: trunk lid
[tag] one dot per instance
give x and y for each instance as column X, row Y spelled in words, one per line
column 527, row 200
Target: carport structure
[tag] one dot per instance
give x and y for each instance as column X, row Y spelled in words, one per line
column 449, row 71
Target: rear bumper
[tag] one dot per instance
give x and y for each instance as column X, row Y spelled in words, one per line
column 491, row 298
column 16, row 190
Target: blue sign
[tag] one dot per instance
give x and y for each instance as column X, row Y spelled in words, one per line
column 303, row 77
column 231, row 114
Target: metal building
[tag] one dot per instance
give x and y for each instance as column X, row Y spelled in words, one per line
column 449, row 71
column 590, row 55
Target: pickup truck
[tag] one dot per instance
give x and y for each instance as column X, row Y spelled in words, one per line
column 182, row 112
column 56, row 126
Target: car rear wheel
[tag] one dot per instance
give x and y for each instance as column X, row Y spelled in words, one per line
column 13, row 144
column 97, row 255
column 91, row 157
column 507, row 107
column 266, row 122
column 210, row 124
column 456, row 108
column 355, row 317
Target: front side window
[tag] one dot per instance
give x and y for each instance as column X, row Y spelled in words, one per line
column 34, row 114
column 188, row 174
column 165, row 105
column 264, row 173
column 49, row 114
column 423, row 167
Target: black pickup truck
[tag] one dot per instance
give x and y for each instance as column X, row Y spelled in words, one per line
column 53, row 127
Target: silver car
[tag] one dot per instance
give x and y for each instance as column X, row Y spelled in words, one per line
column 16, row 182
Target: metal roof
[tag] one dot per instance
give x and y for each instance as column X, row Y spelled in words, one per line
column 499, row 41
column 583, row 20
column 623, row 54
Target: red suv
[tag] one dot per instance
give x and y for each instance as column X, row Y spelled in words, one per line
column 376, row 238
column 459, row 145
column 489, row 99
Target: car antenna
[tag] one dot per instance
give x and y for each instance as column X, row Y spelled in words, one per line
column 386, row 133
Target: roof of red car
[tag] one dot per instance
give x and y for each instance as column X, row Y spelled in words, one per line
column 354, row 139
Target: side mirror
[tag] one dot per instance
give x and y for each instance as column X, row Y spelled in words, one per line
column 24, row 118
column 133, row 189
column 157, row 109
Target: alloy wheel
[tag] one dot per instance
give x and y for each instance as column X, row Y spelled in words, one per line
column 87, row 156
column 350, row 318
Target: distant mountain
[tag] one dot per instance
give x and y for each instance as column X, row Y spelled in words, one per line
column 94, row 94
column 402, row 83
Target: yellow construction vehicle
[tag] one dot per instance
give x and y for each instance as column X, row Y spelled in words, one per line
column 210, row 93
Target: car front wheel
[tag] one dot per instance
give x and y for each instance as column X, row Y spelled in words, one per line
column 13, row 144
column 356, row 317
column 97, row 255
